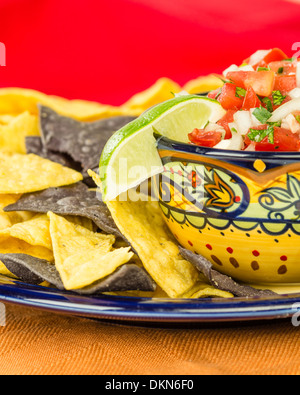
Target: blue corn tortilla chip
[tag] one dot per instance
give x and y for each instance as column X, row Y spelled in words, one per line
column 128, row 277
column 81, row 141
column 34, row 145
column 31, row 270
column 77, row 200
column 221, row 281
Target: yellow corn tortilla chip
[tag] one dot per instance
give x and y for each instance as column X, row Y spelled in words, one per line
column 17, row 100
column 203, row 289
column 162, row 90
column 13, row 134
column 142, row 224
column 12, row 245
column 6, row 118
column 29, row 173
column 34, row 232
column 31, row 237
column 9, row 219
column 203, row 84
column 81, row 256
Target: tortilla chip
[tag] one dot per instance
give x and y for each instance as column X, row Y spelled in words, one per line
column 221, row 281
column 203, row 84
column 34, row 145
column 9, row 219
column 5, row 272
column 142, row 224
column 17, row 100
column 29, row 173
column 31, row 237
column 36, row 271
column 13, row 134
column 31, row 270
column 34, row 232
column 82, row 141
column 75, row 200
column 83, row 257
column 7, row 118
column 161, row 91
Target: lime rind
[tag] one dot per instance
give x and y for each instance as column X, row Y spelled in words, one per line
column 136, row 142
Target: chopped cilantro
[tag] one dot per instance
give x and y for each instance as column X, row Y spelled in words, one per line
column 240, row 92
column 263, row 69
column 297, row 118
column 234, row 130
column 268, row 103
column 258, row 135
column 278, row 98
column 276, row 124
column 262, row 115
column 280, row 70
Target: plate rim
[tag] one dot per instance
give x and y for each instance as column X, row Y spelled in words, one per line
column 143, row 309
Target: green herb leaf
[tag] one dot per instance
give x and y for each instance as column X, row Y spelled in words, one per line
column 240, row 92
column 280, row 70
column 278, row 98
column 263, row 69
column 268, row 103
column 262, row 115
column 275, row 124
column 258, row 135
column 297, row 118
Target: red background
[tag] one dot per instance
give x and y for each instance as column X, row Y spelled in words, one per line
column 109, row 50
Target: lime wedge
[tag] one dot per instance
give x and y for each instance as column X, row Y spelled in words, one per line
column 131, row 157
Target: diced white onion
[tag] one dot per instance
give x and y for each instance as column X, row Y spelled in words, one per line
column 298, row 74
column 233, row 67
column 247, row 67
column 214, row 127
column 258, row 56
column 255, row 121
column 235, row 143
column 286, row 109
column 291, row 123
column 243, row 121
column 295, row 93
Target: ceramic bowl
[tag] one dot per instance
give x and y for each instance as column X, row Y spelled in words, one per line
column 241, row 210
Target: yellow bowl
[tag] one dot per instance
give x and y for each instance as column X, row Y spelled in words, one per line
column 240, row 210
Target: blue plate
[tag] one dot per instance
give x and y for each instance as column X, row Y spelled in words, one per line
column 147, row 309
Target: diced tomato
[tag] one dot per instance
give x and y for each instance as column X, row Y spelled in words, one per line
column 205, row 138
column 251, row 100
column 285, row 83
column 283, row 67
column 238, row 77
column 228, row 118
column 229, row 99
column 275, row 106
column 247, row 141
column 274, row 55
column 214, row 94
column 262, row 82
column 284, row 140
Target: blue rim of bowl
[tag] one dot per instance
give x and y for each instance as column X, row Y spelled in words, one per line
column 241, row 158
column 144, row 309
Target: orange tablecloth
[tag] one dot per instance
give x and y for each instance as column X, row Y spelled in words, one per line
column 35, row 342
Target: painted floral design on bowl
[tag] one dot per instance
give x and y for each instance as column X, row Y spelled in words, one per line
column 240, row 210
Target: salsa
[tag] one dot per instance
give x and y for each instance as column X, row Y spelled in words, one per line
column 262, row 100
